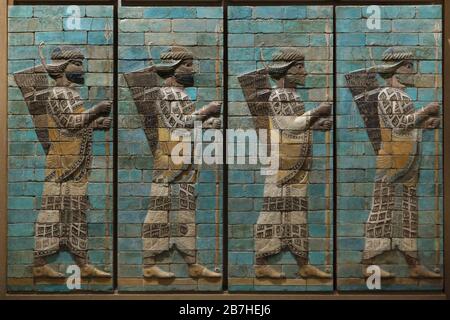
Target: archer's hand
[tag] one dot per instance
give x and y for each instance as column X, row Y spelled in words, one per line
column 324, row 109
column 212, row 123
column 103, row 108
column 432, row 109
column 432, row 123
column 323, row 124
column 213, row 108
column 103, row 123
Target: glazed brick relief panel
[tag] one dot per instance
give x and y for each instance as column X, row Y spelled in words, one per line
column 389, row 170
column 388, row 134
column 280, row 79
column 60, row 149
column 170, row 79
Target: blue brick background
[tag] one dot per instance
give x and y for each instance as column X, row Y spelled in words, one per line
column 28, row 26
column 199, row 29
column 268, row 28
column 358, row 47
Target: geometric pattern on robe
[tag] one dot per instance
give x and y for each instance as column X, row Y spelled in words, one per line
column 393, row 219
column 282, row 222
column 62, row 222
column 170, row 220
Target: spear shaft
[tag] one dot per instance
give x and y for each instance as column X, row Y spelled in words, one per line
column 436, row 160
column 108, row 35
column 217, row 174
column 327, row 160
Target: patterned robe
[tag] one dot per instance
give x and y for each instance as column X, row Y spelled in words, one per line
column 61, row 222
column 393, row 220
column 170, row 219
column 282, row 222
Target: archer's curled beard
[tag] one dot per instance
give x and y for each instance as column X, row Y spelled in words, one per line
column 408, row 80
column 75, row 77
column 186, row 79
column 296, row 80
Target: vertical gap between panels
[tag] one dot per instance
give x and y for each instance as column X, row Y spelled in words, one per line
column 443, row 137
column 334, row 154
column 115, row 139
column 4, row 145
column 224, row 147
column 443, row 34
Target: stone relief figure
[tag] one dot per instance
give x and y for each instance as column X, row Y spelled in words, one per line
column 283, row 220
column 65, row 130
column 166, row 107
column 395, row 128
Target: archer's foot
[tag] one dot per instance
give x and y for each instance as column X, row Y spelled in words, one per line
column 156, row 272
column 268, row 272
column 46, row 271
column 89, row 270
column 421, row 271
column 383, row 273
column 199, row 271
column 309, row 271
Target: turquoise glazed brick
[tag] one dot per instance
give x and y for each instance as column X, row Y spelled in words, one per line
column 268, row 12
column 348, row 12
column 52, row 11
column 132, row 39
column 49, row 37
column 430, row 12
column 89, row 24
column 235, row 12
column 15, row 39
column 99, row 11
column 51, row 23
column 98, row 37
column 418, row 25
column 209, row 13
column 170, row 13
column 319, row 12
column 20, row 11
column 143, row 26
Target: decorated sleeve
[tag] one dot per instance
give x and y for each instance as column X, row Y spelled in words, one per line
column 394, row 111
column 63, row 115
